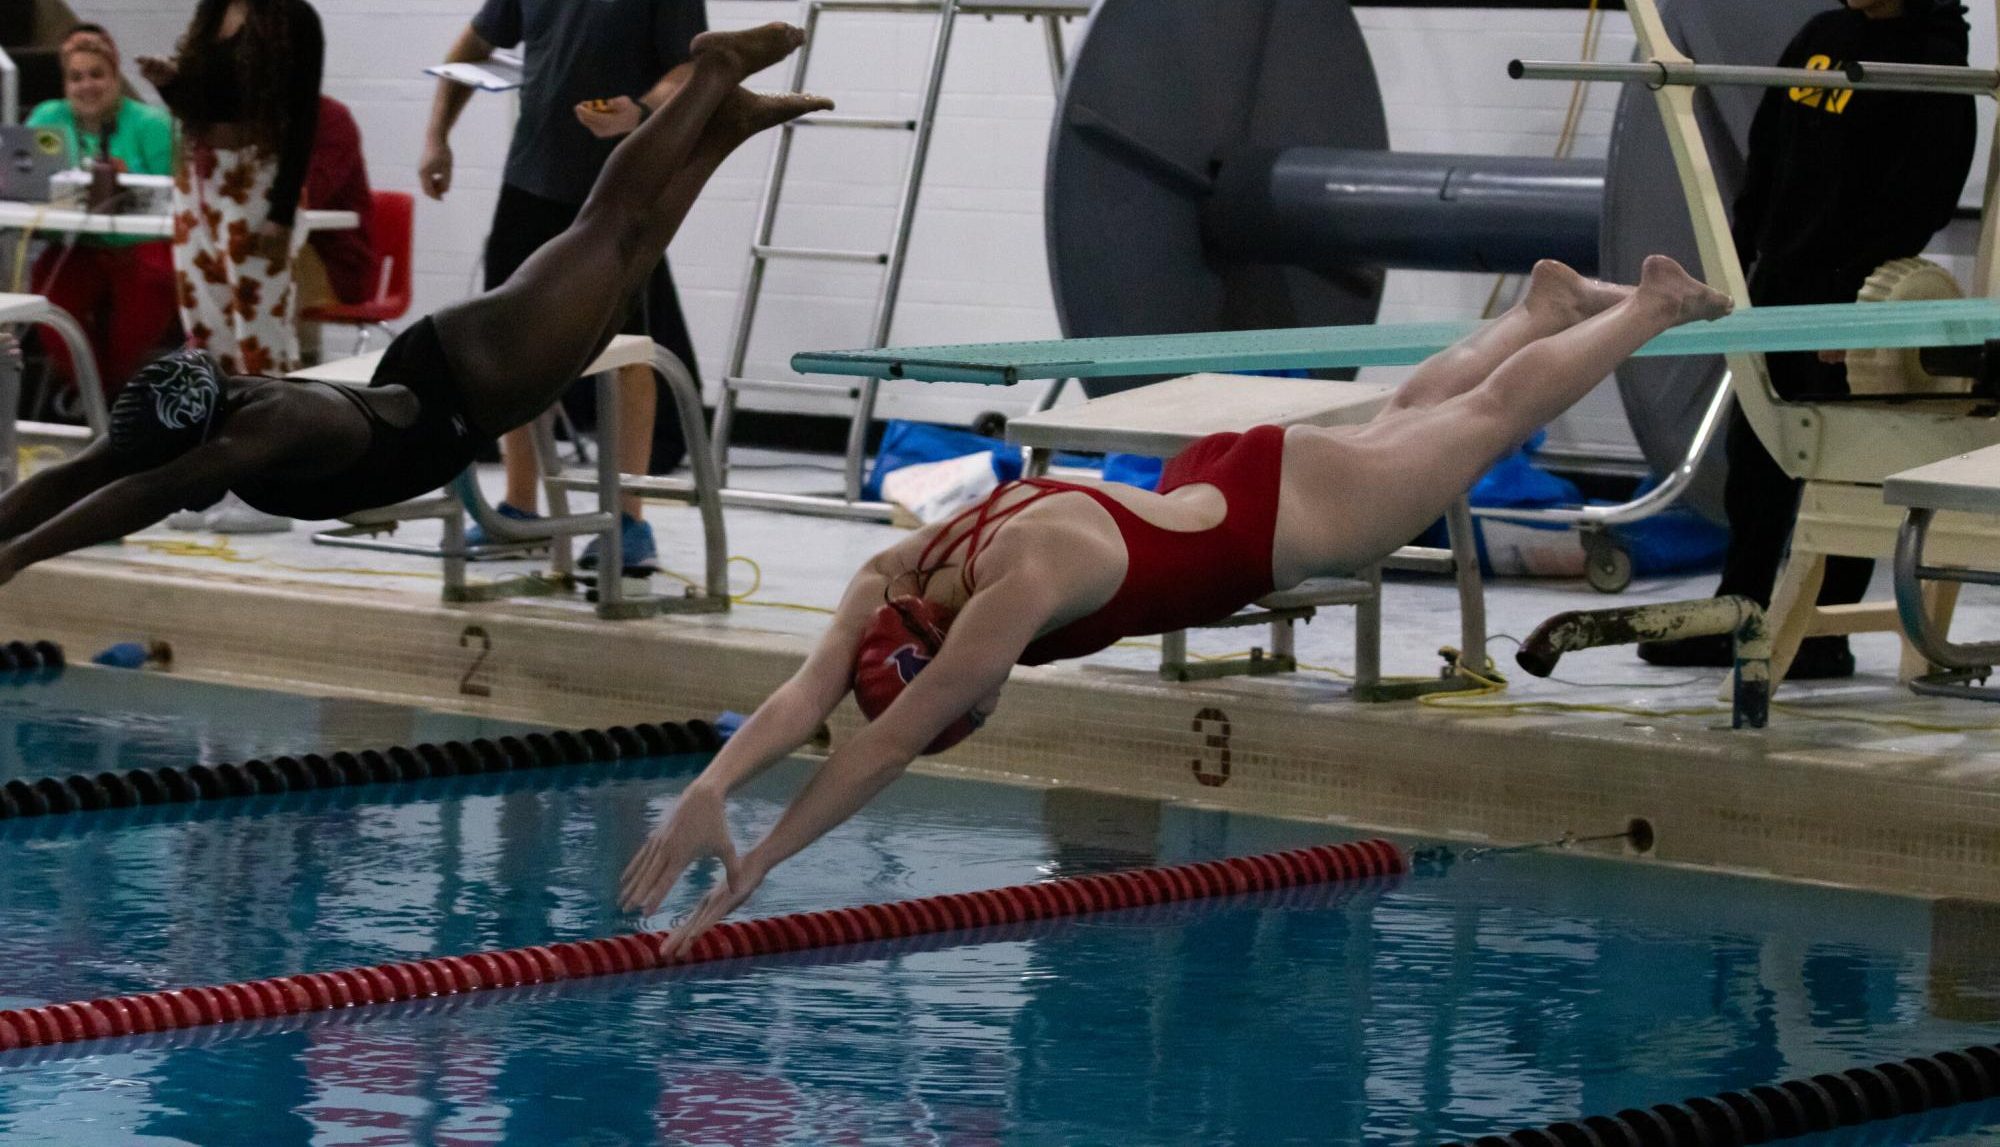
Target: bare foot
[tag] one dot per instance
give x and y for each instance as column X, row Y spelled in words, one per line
column 1691, row 299
column 750, row 50
column 1600, row 296
column 743, row 113
column 1558, row 292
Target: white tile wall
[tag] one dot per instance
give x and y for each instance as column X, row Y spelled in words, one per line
column 977, row 268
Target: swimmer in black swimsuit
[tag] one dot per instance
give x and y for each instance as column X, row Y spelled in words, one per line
column 182, row 432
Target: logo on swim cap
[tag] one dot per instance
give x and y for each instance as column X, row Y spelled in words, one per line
column 185, row 389
column 898, row 643
column 168, row 408
column 909, row 661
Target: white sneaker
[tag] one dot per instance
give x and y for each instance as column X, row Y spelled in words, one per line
column 233, row 516
column 189, row 521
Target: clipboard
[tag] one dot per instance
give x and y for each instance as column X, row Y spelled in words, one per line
column 500, row 72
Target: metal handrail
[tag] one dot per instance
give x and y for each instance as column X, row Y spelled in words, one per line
column 1657, row 74
column 1645, row 505
column 1924, row 77
column 1910, row 574
column 704, row 490
column 10, row 89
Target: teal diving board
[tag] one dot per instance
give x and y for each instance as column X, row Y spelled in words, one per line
column 1833, row 326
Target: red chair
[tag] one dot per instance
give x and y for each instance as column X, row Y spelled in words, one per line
column 390, row 233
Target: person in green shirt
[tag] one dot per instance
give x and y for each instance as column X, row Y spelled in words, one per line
column 120, row 288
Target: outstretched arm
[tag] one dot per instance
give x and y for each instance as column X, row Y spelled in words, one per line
column 126, row 504
column 46, row 493
column 985, row 641
column 786, row 720
column 793, row 714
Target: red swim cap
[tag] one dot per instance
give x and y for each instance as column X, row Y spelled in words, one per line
column 898, row 644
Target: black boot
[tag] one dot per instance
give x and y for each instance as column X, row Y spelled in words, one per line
column 1715, row 651
column 1819, row 658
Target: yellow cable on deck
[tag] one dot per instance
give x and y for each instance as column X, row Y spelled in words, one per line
column 757, row 583
column 221, row 549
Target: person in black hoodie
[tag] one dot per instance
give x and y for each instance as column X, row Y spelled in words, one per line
column 1838, row 183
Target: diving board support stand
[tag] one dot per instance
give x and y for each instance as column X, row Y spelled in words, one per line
column 1843, row 451
column 464, row 498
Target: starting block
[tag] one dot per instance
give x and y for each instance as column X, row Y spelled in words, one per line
column 1951, row 518
column 364, row 530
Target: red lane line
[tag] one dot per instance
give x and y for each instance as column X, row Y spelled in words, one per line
column 74, row 1021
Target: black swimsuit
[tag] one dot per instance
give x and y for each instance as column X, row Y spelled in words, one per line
column 401, row 462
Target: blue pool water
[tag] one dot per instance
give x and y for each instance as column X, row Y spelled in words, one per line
column 90, row 720
column 1501, row 994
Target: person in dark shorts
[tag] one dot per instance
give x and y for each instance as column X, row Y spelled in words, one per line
column 1837, row 184
column 183, row 432
column 593, row 70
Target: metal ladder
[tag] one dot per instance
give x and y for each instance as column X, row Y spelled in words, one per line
column 861, row 392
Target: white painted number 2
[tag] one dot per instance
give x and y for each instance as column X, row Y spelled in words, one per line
column 475, row 637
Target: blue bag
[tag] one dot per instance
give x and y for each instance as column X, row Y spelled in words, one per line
column 1134, row 470
column 909, row 443
column 1675, row 540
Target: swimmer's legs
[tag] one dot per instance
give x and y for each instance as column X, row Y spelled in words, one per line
column 1408, row 470
column 517, row 347
column 1557, row 298
column 1547, row 377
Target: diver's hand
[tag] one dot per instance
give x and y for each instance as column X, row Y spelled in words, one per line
column 698, row 827
column 740, row 882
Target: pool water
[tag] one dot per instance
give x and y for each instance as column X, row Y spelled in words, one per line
column 1500, row 994
column 91, row 720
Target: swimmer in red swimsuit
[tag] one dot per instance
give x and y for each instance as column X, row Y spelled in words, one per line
column 1044, row 570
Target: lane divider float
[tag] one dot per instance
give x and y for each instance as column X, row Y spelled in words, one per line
column 1305, row 897
column 30, row 656
column 172, row 784
column 1783, row 1110
column 61, row 1023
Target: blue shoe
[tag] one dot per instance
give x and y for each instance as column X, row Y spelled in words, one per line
column 476, row 536
column 635, row 542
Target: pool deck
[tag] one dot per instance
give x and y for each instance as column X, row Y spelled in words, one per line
column 1857, row 782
